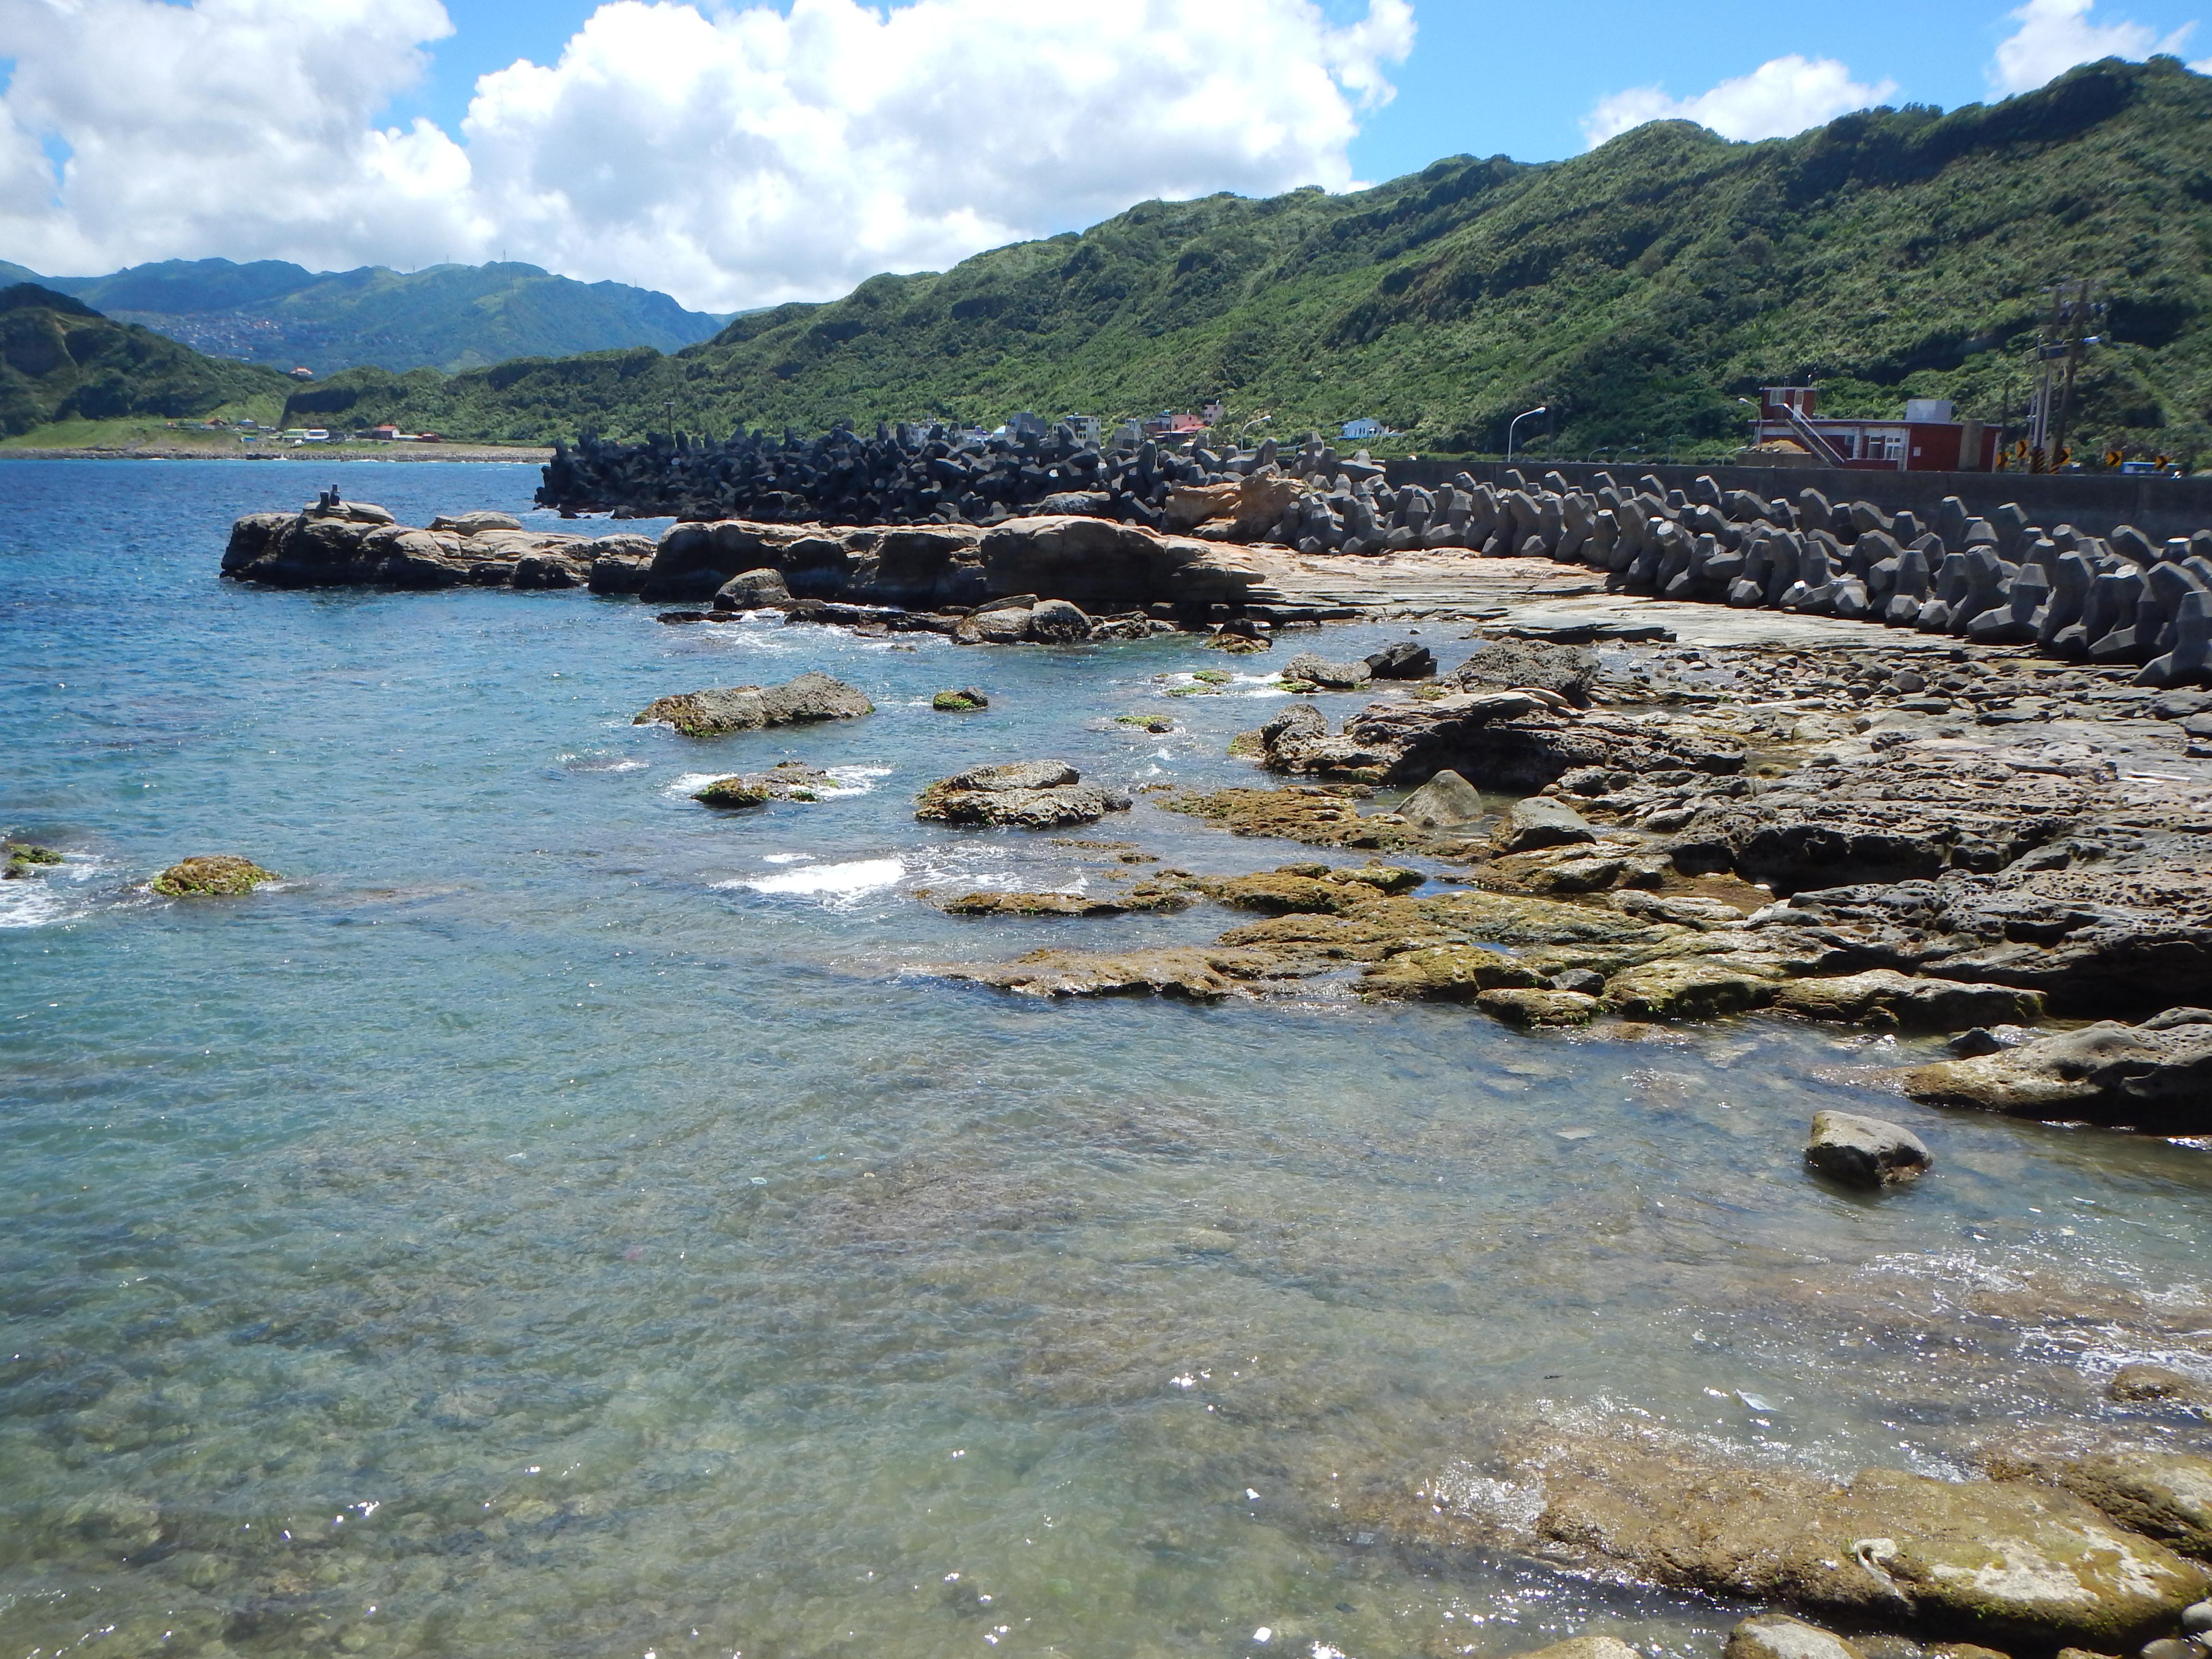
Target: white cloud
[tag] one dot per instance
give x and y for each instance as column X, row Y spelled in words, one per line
column 1782, row 96
column 2054, row 35
column 735, row 158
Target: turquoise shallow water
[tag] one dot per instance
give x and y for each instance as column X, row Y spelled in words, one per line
column 559, row 1221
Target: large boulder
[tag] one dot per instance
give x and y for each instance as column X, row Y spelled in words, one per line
column 1022, row 794
column 812, row 696
column 1055, row 622
column 2121, row 1076
column 1316, row 670
column 753, row 589
column 1106, row 567
column 1540, row 822
column 1507, row 665
column 1864, row 1151
column 1445, row 800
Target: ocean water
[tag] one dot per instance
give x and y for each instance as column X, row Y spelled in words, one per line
column 562, row 1220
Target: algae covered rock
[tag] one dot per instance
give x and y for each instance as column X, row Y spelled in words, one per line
column 1538, row 1005
column 1690, row 987
column 26, row 858
column 784, row 781
column 1194, row 973
column 1445, row 973
column 1144, row 895
column 214, row 875
column 714, row 713
column 963, row 702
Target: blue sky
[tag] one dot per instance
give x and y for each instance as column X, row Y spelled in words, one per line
column 1485, row 79
column 739, row 153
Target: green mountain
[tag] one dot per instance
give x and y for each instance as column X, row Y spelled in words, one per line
column 449, row 317
column 1640, row 290
column 61, row 361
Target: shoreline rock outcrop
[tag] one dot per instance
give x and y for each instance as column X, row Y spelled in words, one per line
column 810, row 696
column 1019, row 794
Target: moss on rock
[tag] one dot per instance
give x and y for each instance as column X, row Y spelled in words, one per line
column 212, row 875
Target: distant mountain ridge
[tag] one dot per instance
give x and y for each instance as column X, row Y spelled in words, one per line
column 447, row 317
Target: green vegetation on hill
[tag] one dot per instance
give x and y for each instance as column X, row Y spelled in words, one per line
column 449, row 317
column 1641, row 289
column 61, row 361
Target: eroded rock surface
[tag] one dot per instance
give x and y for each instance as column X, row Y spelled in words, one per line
column 812, row 696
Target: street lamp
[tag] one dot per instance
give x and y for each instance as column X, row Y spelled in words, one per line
column 1257, row 420
column 1513, row 425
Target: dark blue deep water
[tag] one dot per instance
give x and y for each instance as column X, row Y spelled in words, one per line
column 560, row 1220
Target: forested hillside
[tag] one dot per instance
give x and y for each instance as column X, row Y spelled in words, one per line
column 60, row 359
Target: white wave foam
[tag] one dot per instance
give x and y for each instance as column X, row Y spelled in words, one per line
column 831, row 882
column 852, row 780
column 848, row 781
column 601, row 763
column 44, row 899
column 787, row 857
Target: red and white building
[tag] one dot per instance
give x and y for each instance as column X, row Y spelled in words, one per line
column 1925, row 439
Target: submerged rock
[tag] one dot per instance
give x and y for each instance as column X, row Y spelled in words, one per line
column 2124, row 1076
column 1022, row 794
column 1195, row 972
column 1778, row 1636
column 2013, row 1564
column 212, row 875
column 1864, row 1151
column 1144, row 897
column 812, row 696
column 2146, row 1382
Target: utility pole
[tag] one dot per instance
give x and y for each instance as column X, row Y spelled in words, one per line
column 2076, row 308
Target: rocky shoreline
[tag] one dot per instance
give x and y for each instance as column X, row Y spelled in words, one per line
column 1935, row 837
